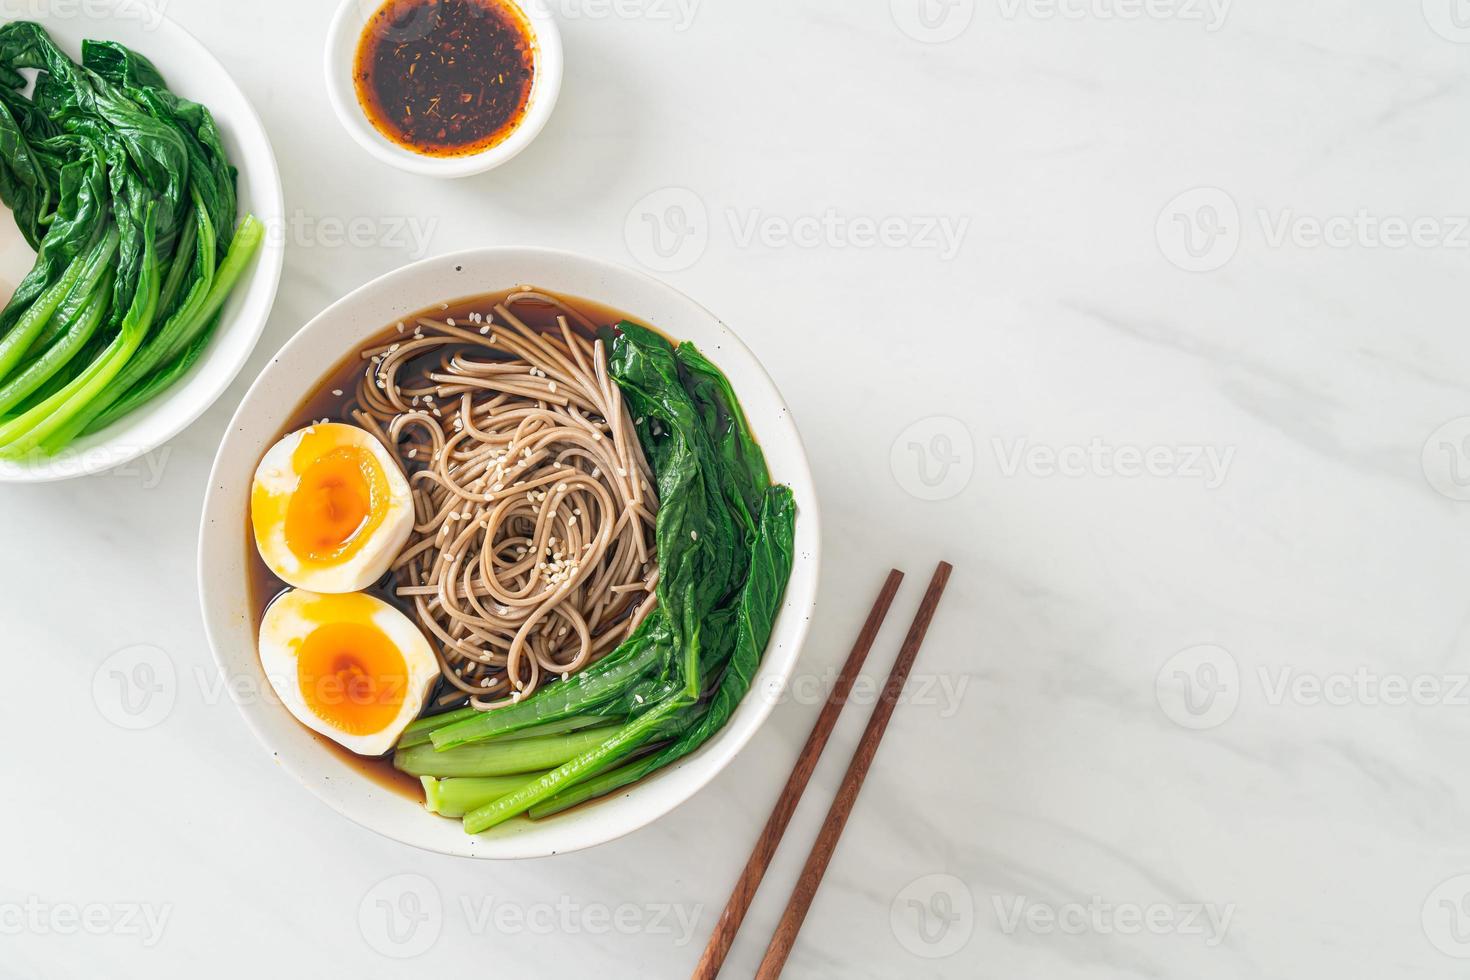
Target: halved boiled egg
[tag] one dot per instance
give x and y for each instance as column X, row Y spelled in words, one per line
column 330, row 509
column 348, row 666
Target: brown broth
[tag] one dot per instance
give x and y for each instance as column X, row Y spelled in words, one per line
column 445, row 78
column 263, row 587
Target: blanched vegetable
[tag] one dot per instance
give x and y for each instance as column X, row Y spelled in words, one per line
column 125, row 192
column 457, row 796
column 500, row 759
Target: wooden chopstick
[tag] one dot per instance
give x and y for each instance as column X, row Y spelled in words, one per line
column 765, row 846
column 857, row 770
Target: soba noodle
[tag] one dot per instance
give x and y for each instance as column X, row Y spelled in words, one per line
column 532, row 553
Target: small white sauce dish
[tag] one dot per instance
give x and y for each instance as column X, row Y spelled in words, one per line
column 339, row 59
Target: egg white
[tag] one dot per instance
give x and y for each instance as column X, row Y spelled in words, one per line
column 285, row 626
column 278, row 477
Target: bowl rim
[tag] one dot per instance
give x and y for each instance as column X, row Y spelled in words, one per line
column 109, row 453
column 339, row 53
column 720, row 750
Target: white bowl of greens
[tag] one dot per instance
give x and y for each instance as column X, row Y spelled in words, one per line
column 94, row 373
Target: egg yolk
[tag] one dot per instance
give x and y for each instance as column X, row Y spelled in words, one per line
column 340, row 499
column 352, row 677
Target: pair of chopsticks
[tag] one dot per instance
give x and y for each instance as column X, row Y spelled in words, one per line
column 857, row 770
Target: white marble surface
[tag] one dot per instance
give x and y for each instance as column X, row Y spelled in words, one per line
column 1284, row 537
